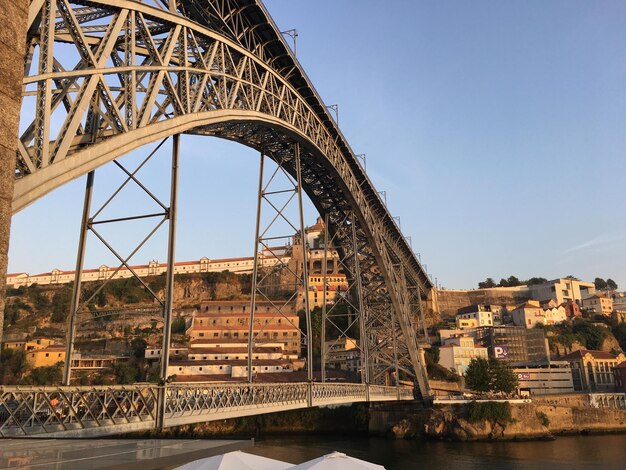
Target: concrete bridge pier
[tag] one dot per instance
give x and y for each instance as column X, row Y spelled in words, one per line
column 13, row 19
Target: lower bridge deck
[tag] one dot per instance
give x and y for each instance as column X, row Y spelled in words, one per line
column 109, row 410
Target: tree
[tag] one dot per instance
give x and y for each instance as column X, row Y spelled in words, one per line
column 503, row 283
column 600, row 283
column 533, row 281
column 590, row 335
column 620, row 334
column 503, row 379
column 611, row 284
column 138, row 347
column 61, row 303
column 179, row 326
column 491, row 375
column 478, row 375
column 46, row 375
column 513, row 281
column 487, row 283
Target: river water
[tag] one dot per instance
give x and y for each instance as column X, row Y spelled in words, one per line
column 576, row 452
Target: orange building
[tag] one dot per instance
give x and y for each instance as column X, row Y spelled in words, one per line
column 230, row 320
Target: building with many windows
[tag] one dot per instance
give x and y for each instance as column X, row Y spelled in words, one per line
column 549, row 379
column 593, row 370
column 230, row 320
column 343, row 354
column 598, row 305
column 517, row 345
column 562, row 290
column 458, row 351
column 475, row 316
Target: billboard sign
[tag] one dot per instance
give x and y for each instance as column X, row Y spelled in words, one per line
column 501, row 351
column 523, row 375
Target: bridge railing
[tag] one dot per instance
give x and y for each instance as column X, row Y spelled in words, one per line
column 27, row 411
column 96, row 411
column 193, row 398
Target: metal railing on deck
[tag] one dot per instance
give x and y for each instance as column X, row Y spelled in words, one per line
column 96, row 411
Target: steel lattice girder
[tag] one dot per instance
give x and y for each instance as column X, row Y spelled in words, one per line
column 32, row 411
column 114, row 75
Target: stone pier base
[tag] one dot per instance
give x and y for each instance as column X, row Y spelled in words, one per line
column 13, row 18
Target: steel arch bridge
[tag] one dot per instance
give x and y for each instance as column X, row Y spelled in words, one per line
column 105, row 77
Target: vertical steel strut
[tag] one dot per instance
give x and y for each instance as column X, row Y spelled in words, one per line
column 363, row 339
column 255, row 270
column 324, row 352
column 305, row 271
column 80, row 259
column 171, row 255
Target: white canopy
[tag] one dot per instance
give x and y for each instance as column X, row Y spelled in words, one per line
column 236, row 461
column 337, row 461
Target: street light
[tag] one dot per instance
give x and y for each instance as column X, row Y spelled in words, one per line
column 384, row 195
column 293, row 34
column 361, row 156
column 334, row 107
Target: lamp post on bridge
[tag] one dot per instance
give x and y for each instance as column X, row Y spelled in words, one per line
column 362, row 157
column 335, row 108
column 293, row 34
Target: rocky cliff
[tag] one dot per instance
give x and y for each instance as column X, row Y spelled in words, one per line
column 528, row 421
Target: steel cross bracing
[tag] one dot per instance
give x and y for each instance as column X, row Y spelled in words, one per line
column 98, row 411
column 105, row 77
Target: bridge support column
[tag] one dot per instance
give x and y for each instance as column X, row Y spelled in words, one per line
column 171, row 257
column 305, row 272
column 13, row 18
column 80, row 258
column 255, row 271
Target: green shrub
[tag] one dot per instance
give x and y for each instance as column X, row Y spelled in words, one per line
column 543, row 418
column 493, row 411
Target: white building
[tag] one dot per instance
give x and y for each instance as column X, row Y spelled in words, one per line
column 562, row 290
column 458, row 352
column 531, row 313
column 474, row 319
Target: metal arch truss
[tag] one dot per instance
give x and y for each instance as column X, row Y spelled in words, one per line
column 103, row 77
column 109, row 410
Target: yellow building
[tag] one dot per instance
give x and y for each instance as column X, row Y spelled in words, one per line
column 599, row 305
column 28, row 345
column 45, row 356
column 336, row 286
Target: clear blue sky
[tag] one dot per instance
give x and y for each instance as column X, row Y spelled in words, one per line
column 498, row 130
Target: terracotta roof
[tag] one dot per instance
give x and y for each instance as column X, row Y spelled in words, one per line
column 268, row 327
column 234, row 314
column 232, row 362
column 582, row 352
column 218, row 341
column 527, row 305
column 228, row 302
column 233, row 350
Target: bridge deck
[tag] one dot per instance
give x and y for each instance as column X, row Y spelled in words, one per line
column 110, row 410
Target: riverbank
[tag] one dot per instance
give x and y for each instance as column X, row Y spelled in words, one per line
column 505, row 421
column 484, row 422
